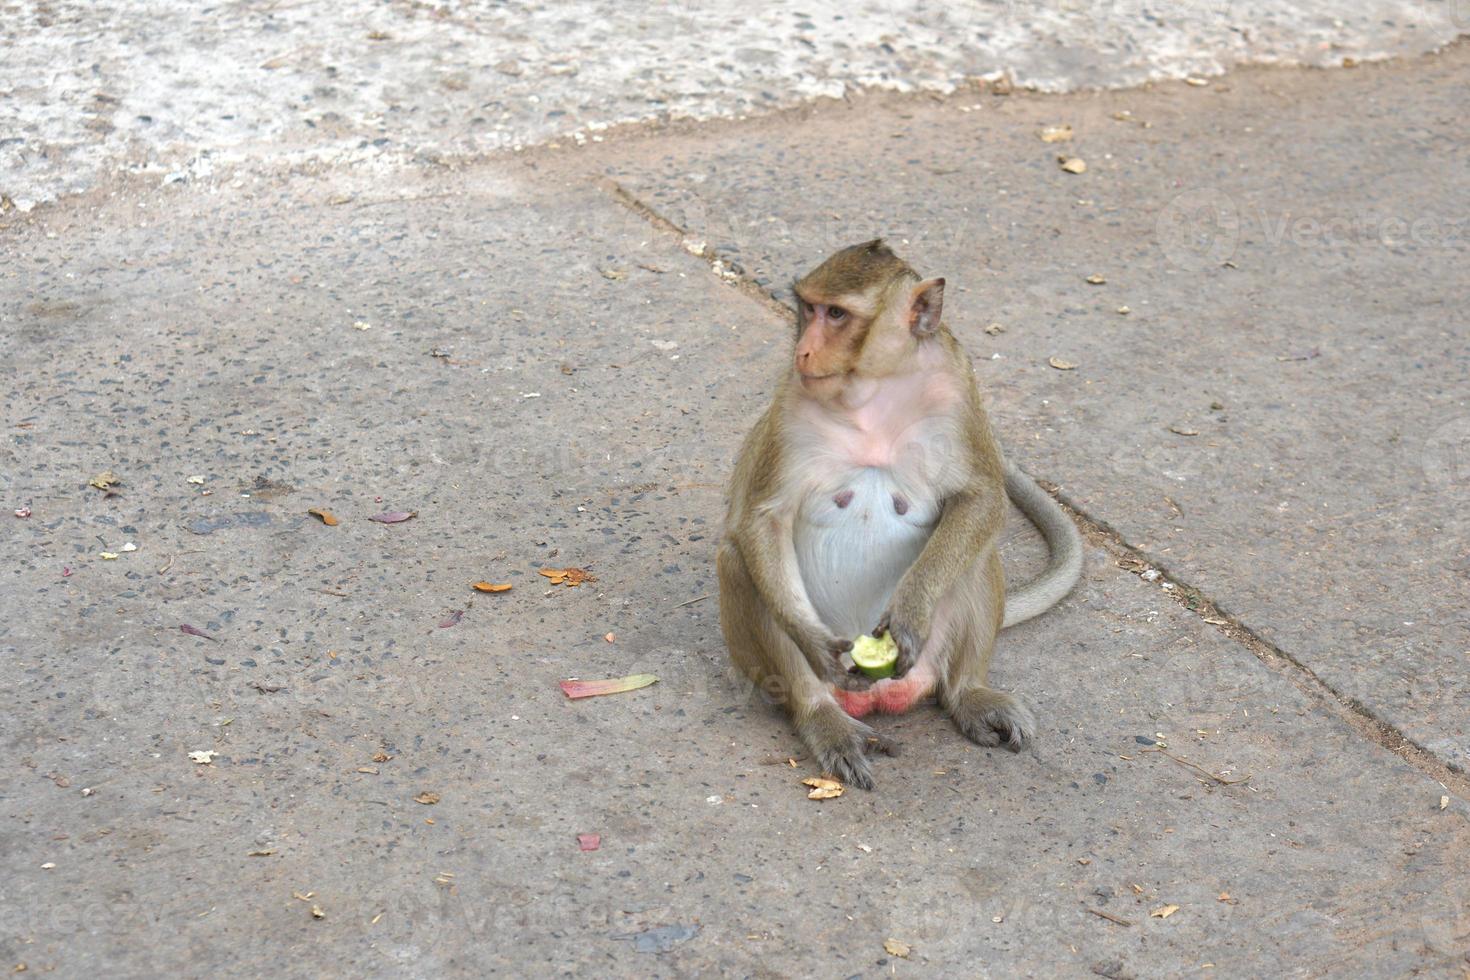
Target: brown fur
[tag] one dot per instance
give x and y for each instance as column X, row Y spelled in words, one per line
column 773, row 631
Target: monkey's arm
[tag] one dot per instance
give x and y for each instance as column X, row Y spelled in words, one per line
column 767, row 543
column 969, row 525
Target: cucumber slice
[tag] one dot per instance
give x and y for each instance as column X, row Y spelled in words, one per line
column 875, row 656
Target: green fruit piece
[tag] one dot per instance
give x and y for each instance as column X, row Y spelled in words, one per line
column 875, row 656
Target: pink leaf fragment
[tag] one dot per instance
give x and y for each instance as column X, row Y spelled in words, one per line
column 66, row 571
column 196, row 631
column 589, row 842
column 451, row 619
column 394, row 516
column 22, row 512
column 616, row 685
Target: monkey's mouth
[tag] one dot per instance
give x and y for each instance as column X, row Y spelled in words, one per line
column 811, row 379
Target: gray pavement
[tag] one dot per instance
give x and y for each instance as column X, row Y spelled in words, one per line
column 549, row 377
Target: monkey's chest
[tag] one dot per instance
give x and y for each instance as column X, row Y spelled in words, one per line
column 855, row 538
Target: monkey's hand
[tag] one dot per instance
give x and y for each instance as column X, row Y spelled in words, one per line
column 824, row 653
column 909, row 628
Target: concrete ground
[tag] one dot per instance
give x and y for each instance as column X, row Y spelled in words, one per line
column 1255, row 711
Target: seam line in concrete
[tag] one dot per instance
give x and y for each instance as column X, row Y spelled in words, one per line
column 1358, row 717
column 1350, row 711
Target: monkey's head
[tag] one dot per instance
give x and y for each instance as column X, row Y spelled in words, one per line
column 863, row 313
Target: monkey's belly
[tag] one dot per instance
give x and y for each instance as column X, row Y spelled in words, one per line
column 854, row 540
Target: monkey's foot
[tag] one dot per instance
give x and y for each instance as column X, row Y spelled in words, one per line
column 841, row 745
column 993, row 718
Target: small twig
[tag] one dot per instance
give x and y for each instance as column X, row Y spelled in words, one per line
column 340, row 595
column 1200, row 769
column 169, row 564
column 1109, row 916
column 690, row 602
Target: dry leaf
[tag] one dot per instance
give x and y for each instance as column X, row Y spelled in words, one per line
column 1196, row 81
column 107, row 555
column 1073, row 165
column 196, row 631
column 317, row 913
column 381, row 756
column 618, row 685
column 394, row 516
column 1060, row 364
column 1444, row 802
column 452, row 619
column 589, row 842
column 195, row 479
column 490, row 587
column 995, row 328
column 104, row 480
column 1056, row 134
column 1225, row 897
column 1124, row 310
column 263, row 853
column 1180, row 430
column 609, row 637
column 895, row 948
column 1164, row 911
column 823, row 788
column 569, row 577
column 328, row 518
column 204, row 758
column 616, row 275
column 128, row 547
column 1096, row 279
column 427, row 798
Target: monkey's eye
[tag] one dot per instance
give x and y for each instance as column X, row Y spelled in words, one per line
column 806, row 308
column 836, row 314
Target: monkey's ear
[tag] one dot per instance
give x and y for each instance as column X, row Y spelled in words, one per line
column 926, row 306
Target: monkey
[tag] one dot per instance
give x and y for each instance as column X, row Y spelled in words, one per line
column 870, row 496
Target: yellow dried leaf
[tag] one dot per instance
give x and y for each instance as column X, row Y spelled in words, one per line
column 568, row 576
column 107, row 555
column 427, row 798
column 1073, row 165
column 1182, row 431
column 1164, row 911
column 894, row 947
column 1096, row 279
column 1056, row 134
column 491, row 587
column 995, row 328
column 1060, row 364
column 823, row 788
column 327, row 517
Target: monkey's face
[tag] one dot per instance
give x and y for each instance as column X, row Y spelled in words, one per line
column 830, row 340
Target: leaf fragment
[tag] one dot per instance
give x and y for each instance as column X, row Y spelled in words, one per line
column 570, row 577
column 1060, row 364
column 618, row 685
column 452, row 619
column 491, row 587
column 327, row 517
column 995, row 328
column 107, row 555
column 1095, row 280
column 1164, row 911
column 1183, row 431
column 195, row 479
column 394, row 516
column 1056, row 134
column 196, row 631
column 894, row 947
column 1073, row 165
column 105, row 480
column 589, row 842
column 823, row 788
column 427, row 798
column 203, row 758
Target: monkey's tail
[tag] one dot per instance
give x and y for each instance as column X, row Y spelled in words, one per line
column 1064, row 565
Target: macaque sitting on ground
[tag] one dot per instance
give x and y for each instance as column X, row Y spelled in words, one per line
column 870, row 497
